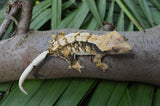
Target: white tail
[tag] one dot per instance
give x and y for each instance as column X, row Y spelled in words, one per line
column 26, row 72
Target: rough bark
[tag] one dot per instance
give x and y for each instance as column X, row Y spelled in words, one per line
column 25, row 19
column 142, row 65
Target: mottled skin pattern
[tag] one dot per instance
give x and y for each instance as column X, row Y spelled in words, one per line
column 73, row 44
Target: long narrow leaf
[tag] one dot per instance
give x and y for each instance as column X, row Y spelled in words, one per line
column 39, row 8
column 110, row 13
column 156, row 16
column 1, row 14
column 102, row 93
column 75, row 93
column 156, row 101
column 146, row 11
column 4, row 86
column 56, row 13
column 40, row 94
column 130, row 16
column 80, row 16
column 136, row 11
column 92, row 6
column 54, row 92
column 101, row 10
column 120, row 23
column 141, row 94
column 68, row 3
column 156, row 3
column 117, row 94
column 41, row 19
column 67, row 20
column 130, row 27
column 17, row 97
column 126, row 99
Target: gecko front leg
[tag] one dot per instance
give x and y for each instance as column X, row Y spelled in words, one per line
column 98, row 61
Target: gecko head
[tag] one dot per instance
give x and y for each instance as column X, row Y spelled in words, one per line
column 53, row 39
column 119, row 45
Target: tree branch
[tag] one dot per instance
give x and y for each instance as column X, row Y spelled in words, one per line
column 9, row 15
column 26, row 15
column 142, row 65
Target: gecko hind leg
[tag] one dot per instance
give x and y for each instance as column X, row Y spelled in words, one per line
column 98, row 61
column 73, row 63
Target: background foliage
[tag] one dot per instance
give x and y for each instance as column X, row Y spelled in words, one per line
column 125, row 15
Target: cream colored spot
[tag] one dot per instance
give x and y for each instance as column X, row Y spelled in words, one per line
column 55, row 46
column 88, row 49
column 62, row 41
column 83, row 37
column 82, row 51
column 71, row 38
column 74, row 50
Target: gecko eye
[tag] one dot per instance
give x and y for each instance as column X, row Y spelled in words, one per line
column 115, row 49
column 125, row 38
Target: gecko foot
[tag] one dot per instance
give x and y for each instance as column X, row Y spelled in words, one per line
column 76, row 66
column 102, row 66
column 98, row 61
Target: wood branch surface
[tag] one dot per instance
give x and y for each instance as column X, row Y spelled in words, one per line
column 143, row 65
column 25, row 19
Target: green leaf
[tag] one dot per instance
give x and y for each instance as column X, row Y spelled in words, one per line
column 76, row 92
column 67, row 20
column 4, row 86
column 126, row 99
column 39, row 8
column 80, row 16
column 156, row 16
column 92, row 6
column 110, row 13
column 1, row 14
column 55, row 92
column 120, row 23
column 146, row 11
column 130, row 27
column 68, row 4
column 130, row 16
column 41, row 19
column 101, row 10
column 138, row 14
column 156, row 3
column 102, row 93
column 41, row 93
column 56, row 13
column 117, row 94
column 8, row 32
column 17, row 97
column 75, row 19
column 142, row 94
column 156, row 101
